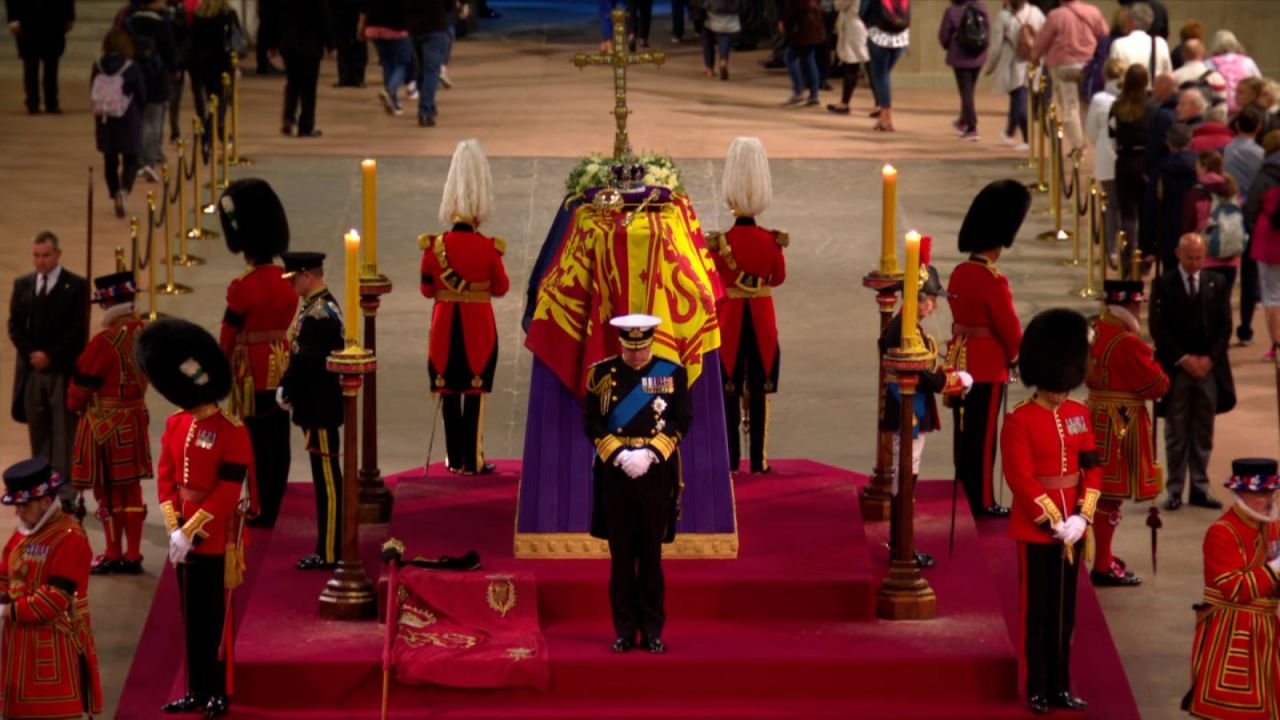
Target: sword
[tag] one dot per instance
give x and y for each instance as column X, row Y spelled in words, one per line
column 431, row 441
column 1004, row 411
column 226, row 648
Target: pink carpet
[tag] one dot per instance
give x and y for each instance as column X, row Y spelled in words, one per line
column 785, row 630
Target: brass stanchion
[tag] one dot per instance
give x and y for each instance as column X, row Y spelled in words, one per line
column 192, row 176
column 1040, row 186
column 1135, row 259
column 212, row 158
column 349, row 595
column 1100, row 231
column 169, row 287
column 1076, row 195
column 236, row 158
column 1055, row 183
column 1089, row 291
column 120, row 266
column 225, row 139
column 179, row 197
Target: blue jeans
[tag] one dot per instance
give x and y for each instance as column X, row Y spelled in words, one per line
column 882, row 61
column 1017, row 112
column 432, row 47
column 802, row 65
column 710, row 41
column 396, row 57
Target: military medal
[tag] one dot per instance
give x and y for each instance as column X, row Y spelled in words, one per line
column 658, row 385
column 205, row 439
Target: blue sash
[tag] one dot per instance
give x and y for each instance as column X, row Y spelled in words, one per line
column 624, row 411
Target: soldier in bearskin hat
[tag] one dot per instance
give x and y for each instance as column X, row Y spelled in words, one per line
column 1051, row 463
column 260, row 307
column 985, row 333
column 462, row 272
column 1234, row 659
column 313, row 395
column 1123, row 376
column 750, row 262
column 941, row 380
column 48, row 664
column 112, row 452
column 206, row 461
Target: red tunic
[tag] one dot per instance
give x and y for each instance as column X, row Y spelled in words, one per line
column 46, row 626
column 1123, row 375
column 204, row 463
column 1235, row 661
column 461, row 271
column 1050, row 463
column 985, row 329
column 260, row 308
column 750, row 262
column 111, row 441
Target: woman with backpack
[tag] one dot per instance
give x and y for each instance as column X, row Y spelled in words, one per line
column 965, row 33
column 851, row 50
column 1014, row 33
column 1262, row 213
column 117, row 93
column 805, row 30
column 888, row 35
column 1212, row 209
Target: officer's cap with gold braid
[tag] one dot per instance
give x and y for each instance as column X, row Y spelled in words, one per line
column 301, row 261
column 1055, row 351
column 253, row 219
column 995, row 216
column 183, row 363
column 635, row 331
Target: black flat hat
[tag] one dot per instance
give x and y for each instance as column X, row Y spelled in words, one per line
column 29, row 480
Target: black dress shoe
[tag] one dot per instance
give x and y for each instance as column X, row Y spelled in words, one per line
column 312, row 133
column 268, row 70
column 1173, row 503
column 286, row 129
column 1205, row 501
column 426, row 121
column 1067, row 701
column 217, row 706
column 487, row 469
column 102, row 565
column 1112, row 579
column 923, row 559
column 55, row 110
column 1039, row 704
column 656, row 646
column 622, row 645
column 313, row 562
column 997, row 511
column 129, row 567
column 185, row 704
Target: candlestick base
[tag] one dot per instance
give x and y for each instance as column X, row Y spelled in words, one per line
column 1085, row 293
column 173, row 288
column 353, row 360
column 373, row 285
column 210, row 209
column 187, row 260
column 882, row 281
column 348, row 595
column 375, row 498
column 874, row 500
column 908, row 360
column 1038, row 187
column 905, row 594
column 1070, row 262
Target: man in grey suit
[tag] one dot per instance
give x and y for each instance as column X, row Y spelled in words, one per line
column 1191, row 324
column 48, row 324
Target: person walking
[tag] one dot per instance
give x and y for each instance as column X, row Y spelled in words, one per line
column 40, row 27
column 1262, row 213
column 352, row 46
column 718, row 28
column 1008, row 68
column 965, row 33
column 1104, row 152
column 1065, row 43
column 212, row 27
column 888, row 35
column 155, row 53
column 118, row 94
column 302, row 32
column 1128, row 128
column 639, row 19
column 851, row 51
column 803, row 26
column 384, row 24
column 428, row 24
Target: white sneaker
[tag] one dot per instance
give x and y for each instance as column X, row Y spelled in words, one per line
column 1007, row 139
column 1021, row 147
column 413, row 90
column 445, row 81
column 388, row 103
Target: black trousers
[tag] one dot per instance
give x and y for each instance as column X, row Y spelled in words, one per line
column 967, row 83
column 849, row 82
column 119, row 177
column 976, row 418
column 269, row 432
column 31, row 81
column 1047, row 603
column 353, row 52
column 638, row 511
column 463, row 431
column 324, row 447
column 1131, row 188
column 201, row 592
column 1250, row 296
column 301, row 75
column 176, row 85
column 640, row 14
column 757, row 429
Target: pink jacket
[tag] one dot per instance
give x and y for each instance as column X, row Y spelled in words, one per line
column 1070, row 35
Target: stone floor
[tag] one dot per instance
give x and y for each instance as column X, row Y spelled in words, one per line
column 518, row 93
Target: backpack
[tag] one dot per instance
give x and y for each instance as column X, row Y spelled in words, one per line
column 973, row 33
column 1026, row 41
column 892, row 16
column 106, row 94
column 1225, row 229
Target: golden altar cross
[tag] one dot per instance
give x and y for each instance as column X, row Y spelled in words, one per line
column 619, row 58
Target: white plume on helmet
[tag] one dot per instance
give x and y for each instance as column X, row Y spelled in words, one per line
column 748, row 186
column 468, row 191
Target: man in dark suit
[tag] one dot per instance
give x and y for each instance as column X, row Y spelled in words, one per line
column 1191, row 324
column 48, row 324
column 302, row 32
column 40, row 27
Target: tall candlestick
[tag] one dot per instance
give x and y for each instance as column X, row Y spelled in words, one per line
column 352, row 308
column 369, row 169
column 911, row 292
column 888, row 244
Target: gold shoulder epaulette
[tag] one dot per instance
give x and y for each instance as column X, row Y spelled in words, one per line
column 1020, row 403
column 425, row 240
column 231, row 417
column 246, row 272
column 500, row 245
column 604, row 360
column 782, row 238
column 714, row 240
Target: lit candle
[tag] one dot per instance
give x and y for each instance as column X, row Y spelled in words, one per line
column 369, row 169
column 888, row 245
column 352, row 308
column 911, row 292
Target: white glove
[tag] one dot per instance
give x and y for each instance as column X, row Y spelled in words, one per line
column 285, row 405
column 966, row 381
column 179, row 546
column 1275, row 566
column 626, row 460
column 4, row 610
column 643, row 459
column 1072, row 530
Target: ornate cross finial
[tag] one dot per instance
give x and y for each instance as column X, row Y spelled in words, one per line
column 619, row 59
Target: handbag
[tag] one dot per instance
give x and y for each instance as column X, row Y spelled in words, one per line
column 235, row 40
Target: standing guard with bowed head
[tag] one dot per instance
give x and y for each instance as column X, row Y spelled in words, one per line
column 750, row 262
column 462, row 271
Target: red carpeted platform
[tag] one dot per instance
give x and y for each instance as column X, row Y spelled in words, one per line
column 785, row 630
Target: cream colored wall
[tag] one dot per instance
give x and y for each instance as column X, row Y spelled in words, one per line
column 1253, row 21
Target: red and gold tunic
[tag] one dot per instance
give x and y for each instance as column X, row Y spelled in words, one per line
column 204, row 463
column 111, row 444
column 462, row 270
column 1123, row 375
column 260, row 308
column 47, row 631
column 985, row 332
column 1235, row 662
column 1051, row 465
column 750, row 262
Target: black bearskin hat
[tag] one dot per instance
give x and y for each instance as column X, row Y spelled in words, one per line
column 183, row 362
column 1055, row 351
column 995, row 216
column 253, row 219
